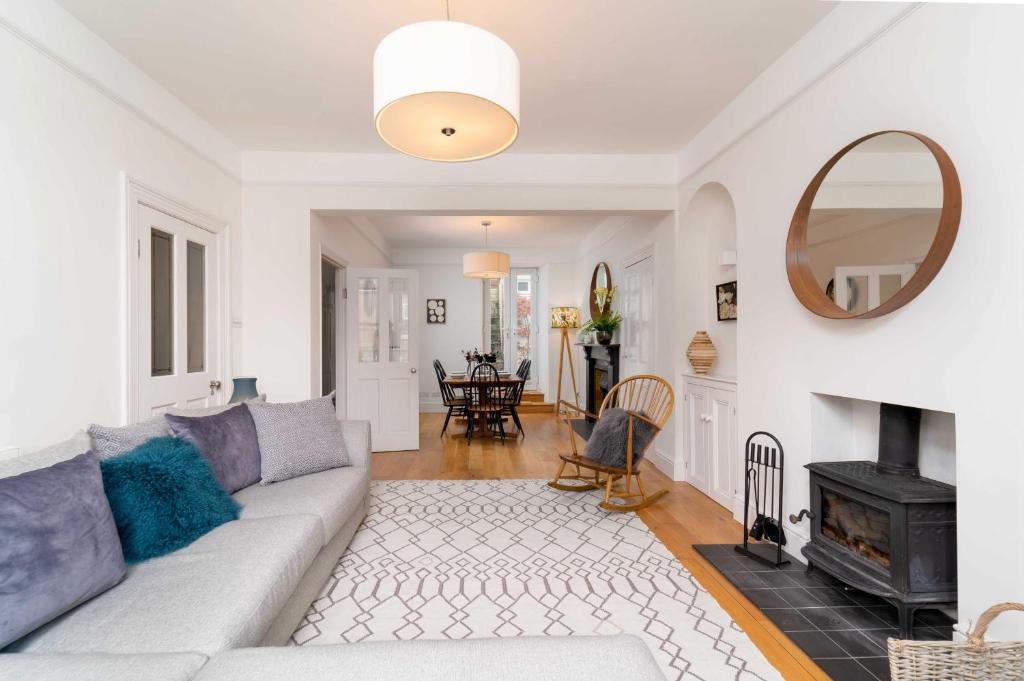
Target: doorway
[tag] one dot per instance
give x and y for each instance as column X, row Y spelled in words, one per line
column 332, row 330
column 177, row 326
column 511, row 329
column 637, row 313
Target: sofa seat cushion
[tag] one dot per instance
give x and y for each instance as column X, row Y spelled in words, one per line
column 222, row 591
column 332, row 495
column 101, row 667
column 594, row 658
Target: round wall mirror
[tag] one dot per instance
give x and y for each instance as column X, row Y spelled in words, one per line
column 874, row 226
column 602, row 278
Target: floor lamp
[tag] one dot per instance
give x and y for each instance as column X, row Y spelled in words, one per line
column 563, row 319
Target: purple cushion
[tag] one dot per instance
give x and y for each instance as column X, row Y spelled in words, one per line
column 58, row 544
column 227, row 441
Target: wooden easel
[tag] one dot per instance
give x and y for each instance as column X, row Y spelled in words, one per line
column 566, row 350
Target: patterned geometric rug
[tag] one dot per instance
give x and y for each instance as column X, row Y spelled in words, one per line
column 491, row 558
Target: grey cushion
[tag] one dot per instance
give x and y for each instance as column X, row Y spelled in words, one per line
column 222, row 591
column 297, row 438
column 101, row 667
column 58, row 544
column 333, row 496
column 607, row 442
column 110, row 441
column 594, row 658
column 227, row 441
column 210, row 411
column 62, row 451
column 357, row 442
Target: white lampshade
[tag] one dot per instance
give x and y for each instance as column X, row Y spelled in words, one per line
column 446, row 91
column 485, row 265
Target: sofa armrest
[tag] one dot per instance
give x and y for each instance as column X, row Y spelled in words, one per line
column 357, row 442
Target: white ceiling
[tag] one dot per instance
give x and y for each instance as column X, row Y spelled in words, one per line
column 550, row 231
column 598, row 76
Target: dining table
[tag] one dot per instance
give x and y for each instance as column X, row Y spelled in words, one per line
column 462, row 382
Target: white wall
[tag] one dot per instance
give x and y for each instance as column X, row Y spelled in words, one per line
column 463, row 329
column 947, row 71
column 66, row 142
column 637, row 233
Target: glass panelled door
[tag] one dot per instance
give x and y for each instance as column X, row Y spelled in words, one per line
column 523, row 322
column 382, row 383
column 178, row 311
column 511, row 329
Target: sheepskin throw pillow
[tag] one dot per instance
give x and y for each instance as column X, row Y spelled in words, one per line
column 298, row 438
column 58, row 544
column 164, row 497
column 607, row 443
column 227, row 440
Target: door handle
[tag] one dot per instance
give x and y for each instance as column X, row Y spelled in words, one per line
column 214, row 386
column 413, row 370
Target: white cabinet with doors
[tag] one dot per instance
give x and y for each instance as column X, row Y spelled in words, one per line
column 712, row 449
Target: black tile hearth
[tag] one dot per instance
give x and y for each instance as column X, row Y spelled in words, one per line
column 842, row 629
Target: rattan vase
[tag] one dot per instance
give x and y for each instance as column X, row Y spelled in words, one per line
column 701, row 353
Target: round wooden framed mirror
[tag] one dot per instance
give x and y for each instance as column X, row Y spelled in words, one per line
column 874, row 226
column 602, row 278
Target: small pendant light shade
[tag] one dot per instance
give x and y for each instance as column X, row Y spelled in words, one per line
column 485, row 264
column 446, row 91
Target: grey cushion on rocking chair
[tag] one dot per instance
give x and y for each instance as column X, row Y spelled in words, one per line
column 607, row 443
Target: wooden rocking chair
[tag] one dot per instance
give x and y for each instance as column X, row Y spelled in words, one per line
column 647, row 398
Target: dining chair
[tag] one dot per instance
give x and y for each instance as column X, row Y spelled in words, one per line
column 513, row 396
column 456, row 405
column 484, row 400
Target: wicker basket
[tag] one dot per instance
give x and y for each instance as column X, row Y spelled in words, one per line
column 974, row 660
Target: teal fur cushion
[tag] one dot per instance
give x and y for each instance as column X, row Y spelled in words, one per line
column 164, row 496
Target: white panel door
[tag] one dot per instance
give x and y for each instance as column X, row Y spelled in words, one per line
column 383, row 353
column 722, row 445
column 637, row 296
column 178, row 308
column 699, row 474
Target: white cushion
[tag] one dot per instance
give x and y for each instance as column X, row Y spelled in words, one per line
column 44, row 458
column 101, row 667
column 222, row 591
column 332, row 495
column 594, row 658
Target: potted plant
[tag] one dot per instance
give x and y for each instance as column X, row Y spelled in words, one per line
column 605, row 323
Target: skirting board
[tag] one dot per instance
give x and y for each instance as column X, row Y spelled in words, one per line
column 662, row 462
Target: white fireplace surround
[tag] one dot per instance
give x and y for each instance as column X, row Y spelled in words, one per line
column 846, row 429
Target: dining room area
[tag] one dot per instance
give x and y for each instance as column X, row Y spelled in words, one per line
column 482, row 401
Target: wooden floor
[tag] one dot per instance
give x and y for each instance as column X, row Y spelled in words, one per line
column 681, row 519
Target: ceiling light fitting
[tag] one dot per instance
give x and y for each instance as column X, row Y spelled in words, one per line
column 485, row 264
column 446, row 76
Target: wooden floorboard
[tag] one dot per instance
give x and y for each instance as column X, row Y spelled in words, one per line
column 681, row 519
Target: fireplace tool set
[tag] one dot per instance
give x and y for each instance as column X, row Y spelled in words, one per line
column 764, row 460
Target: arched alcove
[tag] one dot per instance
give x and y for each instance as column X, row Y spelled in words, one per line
column 707, row 232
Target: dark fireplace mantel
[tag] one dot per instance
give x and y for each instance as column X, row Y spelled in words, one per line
column 602, row 372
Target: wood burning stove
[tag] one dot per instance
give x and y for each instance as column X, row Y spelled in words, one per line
column 882, row 528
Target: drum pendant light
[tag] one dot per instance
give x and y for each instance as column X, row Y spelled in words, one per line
column 446, row 91
column 485, row 264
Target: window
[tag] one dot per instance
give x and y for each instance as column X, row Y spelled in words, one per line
column 161, row 328
column 369, row 319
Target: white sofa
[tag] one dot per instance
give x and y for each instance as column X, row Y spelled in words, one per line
column 200, row 612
